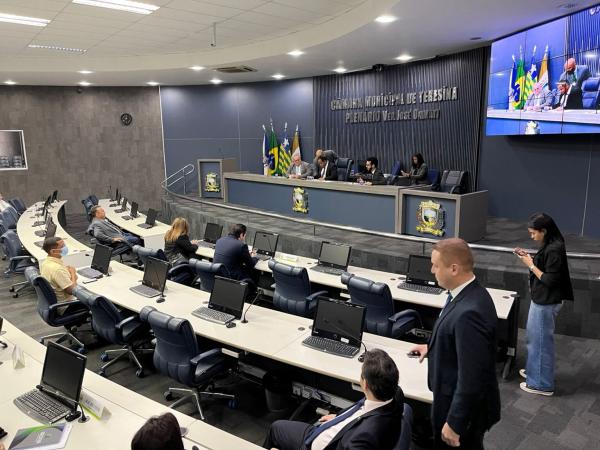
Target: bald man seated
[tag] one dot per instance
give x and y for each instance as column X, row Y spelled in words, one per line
column 298, row 169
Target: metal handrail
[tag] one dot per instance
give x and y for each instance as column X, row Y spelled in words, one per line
column 166, row 184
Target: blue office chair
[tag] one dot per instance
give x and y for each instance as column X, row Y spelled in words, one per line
column 76, row 313
column 433, row 178
column 405, row 437
column 19, row 260
column 177, row 355
column 293, row 293
column 344, row 165
column 205, row 272
column 591, row 93
column 143, row 253
column 182, row 274
column 18, row 204
column 88, row 204
column 377, row 299
column 114, row 327
column 396, row 168
column 8, row 219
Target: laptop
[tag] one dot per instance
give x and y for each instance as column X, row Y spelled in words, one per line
column 337, row 328
column 212, row 232
column 333, row 258
column 226, row 301
column 50, row 232
column 59, row 389
column 133, row 213
column 265, row 245
column 123, row 207
column 117, row 199
column 100, row 263
column 150, row 219
column 419, row 277
column 155, row 278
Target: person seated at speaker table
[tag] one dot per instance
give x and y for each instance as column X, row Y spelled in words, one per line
column 298, row 169
column 3, row 203
column 380, row 414
column 418, row 171
column 232, row 252
column 539, row 99
column 158, row 433
column 106, row 232
column 327, row 169
column 329, row 154
column 178, row 247
column 373, row 175
column 61, row 277
column 575, row 74
column 568, row 97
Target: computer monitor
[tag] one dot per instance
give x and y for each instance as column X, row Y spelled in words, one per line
column 134, row 210
column 340, row 321
column 63, row 371
column 212, row 232
column 116, row 195
column 334, row 255
column 155, row 273
column 54, row 196
column 151, row 216
column 50, row 229
column 265, row 243
column 419, row 270
column 101, row 258
column 228, row 296
column 124, row 204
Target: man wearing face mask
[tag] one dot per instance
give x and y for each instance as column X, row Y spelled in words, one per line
column 61, row 277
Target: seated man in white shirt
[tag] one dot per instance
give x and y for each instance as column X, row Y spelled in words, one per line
column 380, row 414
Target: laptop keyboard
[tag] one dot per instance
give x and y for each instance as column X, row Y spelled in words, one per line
column 88, row 272
column 213, row 315
column 146, row 291
column 145, row 225
column 41, row 407
column 39, row 223
column 40, row 233
column 328, row 270
column 420, row 288
column 206, row 244
column 330, row 346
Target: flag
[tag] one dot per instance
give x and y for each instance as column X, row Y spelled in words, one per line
column 296, row 143
column 511, row 85
column 273, row 152
column 531, row 78
column 265, row 152
column 543, row 75
column 285, row 157
column 519, row 86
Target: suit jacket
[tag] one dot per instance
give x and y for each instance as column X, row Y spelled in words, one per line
column 376, row 177
column 378, row 429
column 555, row 285
column 419, row 175
column 574, row 99
column 305, row 169
column 330, row 174
column 234, row 255
column 462, row 358
column 576, row 78
column 541, row 100
column 104, row 231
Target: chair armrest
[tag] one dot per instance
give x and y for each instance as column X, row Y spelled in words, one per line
column 125, row 321
column 63, row 304
column 455, row 190
column 19, row 258
column 196, row 359
column 273, row 286
column 401, row 315
column 313, row 297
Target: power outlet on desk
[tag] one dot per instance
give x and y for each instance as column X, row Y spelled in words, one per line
column 420, row 333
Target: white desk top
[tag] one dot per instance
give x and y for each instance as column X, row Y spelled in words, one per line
column 131, row 226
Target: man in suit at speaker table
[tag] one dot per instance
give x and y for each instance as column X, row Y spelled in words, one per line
column 568, row 97
column 539, row 99
column 329, row 154
column 373, row 423
column 327, row 169
column 298, row 168
column 374, row 175
column 461, row 353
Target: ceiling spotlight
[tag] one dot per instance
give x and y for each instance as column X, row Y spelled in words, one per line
column 216, row 81
column 10, row 82
column 85, row 72
column 296, row 53
column 84, row 83
column 404, row 58
column 22, row 20
column 152, row 83
column 386, row 19
column 121, row 5
column 340, row 69
column 278, row 76
column 197, row 68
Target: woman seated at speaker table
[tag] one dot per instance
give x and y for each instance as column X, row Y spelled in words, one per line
column 418, row 171
column 178, row 247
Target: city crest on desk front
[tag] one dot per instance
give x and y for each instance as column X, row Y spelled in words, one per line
column 300, row 200
column 431, row 218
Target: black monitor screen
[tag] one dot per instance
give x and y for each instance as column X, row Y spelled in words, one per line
column 63, row 370
column 155, row 273
column 212, row 232
column 101, row 259
column 265, row 243
column 151, row 217
column 54, row 196
column 228, row 296
column 336, row 255
column 339, row 320
column 124, row 204
column 50, row 230
column 117, row 195
column 419, row 268
column 134, row 209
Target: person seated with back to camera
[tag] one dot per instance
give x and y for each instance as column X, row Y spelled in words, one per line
column 178, row 247
column 108, row 234
column 158, row 433
column 374, row 175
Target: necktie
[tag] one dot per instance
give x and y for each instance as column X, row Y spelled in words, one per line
column 448, row 300
column 318, row 430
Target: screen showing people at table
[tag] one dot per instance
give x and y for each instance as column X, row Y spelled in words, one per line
column 265, row 243
column 546, row 79
column 228, row 296
column 63, row 371
column 336, row 255
column 155, row 273
column 339, row 320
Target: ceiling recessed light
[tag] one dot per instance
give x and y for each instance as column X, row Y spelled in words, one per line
column 121, row 5
column 404, row 58
column 386, row 19
column 84, row 83
column 340, row 69
column 85, row 72
column 152, row 83
column 58, row 48
column 197, row 68
column 216, row 81
column 278, row 76
column 10, row 82
column 22, row 20
column 296, row 53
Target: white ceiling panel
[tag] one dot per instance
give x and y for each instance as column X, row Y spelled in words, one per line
column 200, row 7
column 287, row 12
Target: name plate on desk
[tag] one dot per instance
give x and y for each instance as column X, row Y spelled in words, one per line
column 93, row 405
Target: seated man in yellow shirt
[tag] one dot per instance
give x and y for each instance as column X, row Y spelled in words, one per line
column 61, row 277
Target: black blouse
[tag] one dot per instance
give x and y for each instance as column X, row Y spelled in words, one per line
column 180, row 247
column 555, row 284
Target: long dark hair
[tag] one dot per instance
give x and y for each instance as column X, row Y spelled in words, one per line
column 420, row 160
column 542, row 221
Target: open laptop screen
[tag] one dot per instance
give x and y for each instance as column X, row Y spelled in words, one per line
column 265, row 243
column 101, row 258
column 334, row 255
column 134, row 209
column 155, row 273
column 151, row 216
column 339, row 320
column 212, row 232
column 63, row 371
column 419, row 270
column 228, row 296
column 50, row 229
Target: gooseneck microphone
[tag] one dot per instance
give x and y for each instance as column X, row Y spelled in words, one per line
column 250, row 306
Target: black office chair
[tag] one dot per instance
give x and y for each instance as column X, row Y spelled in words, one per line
column 18, row 204
column 76, row 313
column 205, row 272
column 143, row 253
column 453, row 181
column 177, row 355
column 293, row 293
column 114, row 327
column 344, row 166
column 88, row 204
column 377, row 299
column 18, row 260
column 405, row 437
column 433, row 179
column 182, row 274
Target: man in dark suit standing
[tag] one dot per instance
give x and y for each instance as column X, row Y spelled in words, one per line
column 461, row 353
column 232, row 252
column 373, row 423
column 327, row 169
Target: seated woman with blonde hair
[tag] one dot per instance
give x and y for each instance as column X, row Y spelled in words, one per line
column 178, row 247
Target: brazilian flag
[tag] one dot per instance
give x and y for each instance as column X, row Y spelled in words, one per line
column 519, row 87
column 273, row 153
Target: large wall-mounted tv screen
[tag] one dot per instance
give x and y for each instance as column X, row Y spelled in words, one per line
column 12, row 150
column 546, row 80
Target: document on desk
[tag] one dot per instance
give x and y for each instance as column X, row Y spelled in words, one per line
column 48, row 437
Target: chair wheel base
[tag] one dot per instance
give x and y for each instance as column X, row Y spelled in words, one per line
column 12, row 289
column 168, row 396
column 81, row 350
column 104, row 357
column 102, row 373
column 139, row 373
column 232, row 404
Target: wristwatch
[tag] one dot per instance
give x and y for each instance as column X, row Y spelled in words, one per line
column 531, row 267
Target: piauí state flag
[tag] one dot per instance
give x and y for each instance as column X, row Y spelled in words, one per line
column 273, row 152
column 519, row 87
column 285, row 157
column 531, row 78
column 543, row 75
column 296, row 143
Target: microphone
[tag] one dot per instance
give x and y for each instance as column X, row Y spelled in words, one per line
column 345, row 332
column 251, row 304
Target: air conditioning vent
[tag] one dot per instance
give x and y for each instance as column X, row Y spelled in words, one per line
column 235, row 69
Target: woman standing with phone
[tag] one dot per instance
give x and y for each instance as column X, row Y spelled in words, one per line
column 549, row 285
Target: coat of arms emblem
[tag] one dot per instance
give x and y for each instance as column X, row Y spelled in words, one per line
column 431, row 218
